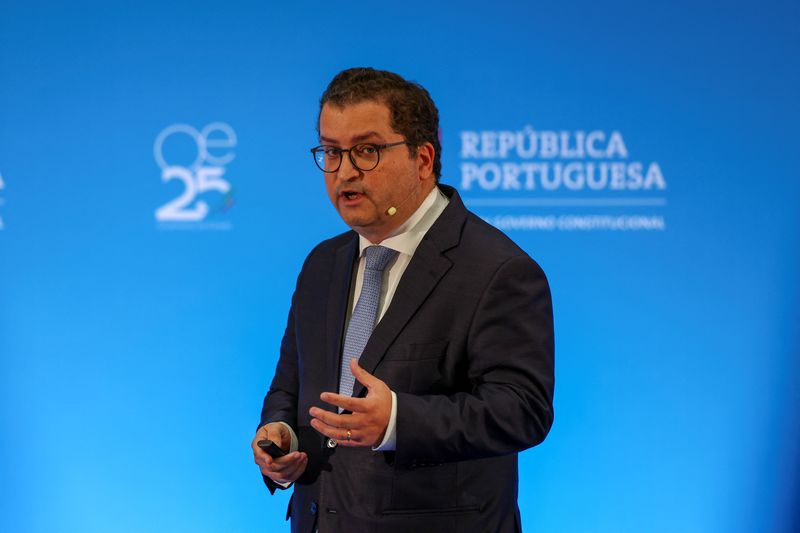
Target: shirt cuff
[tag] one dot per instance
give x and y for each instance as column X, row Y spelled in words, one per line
column 389, row 443
column 294, row 444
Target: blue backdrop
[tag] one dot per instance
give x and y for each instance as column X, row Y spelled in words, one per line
column 157, row 199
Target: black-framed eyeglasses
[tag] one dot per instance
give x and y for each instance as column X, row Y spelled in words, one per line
column 363, row 156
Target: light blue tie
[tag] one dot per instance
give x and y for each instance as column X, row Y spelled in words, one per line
column 363, row 319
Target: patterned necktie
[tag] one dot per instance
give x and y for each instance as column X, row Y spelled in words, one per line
column 363, row 319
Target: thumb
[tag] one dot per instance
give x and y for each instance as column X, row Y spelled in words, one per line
column 278, row 434
column 363, row 377
column 285, row 439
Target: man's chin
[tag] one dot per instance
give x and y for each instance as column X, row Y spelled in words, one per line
column 356, row 219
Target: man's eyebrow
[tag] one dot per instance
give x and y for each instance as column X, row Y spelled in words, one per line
column 367, row 136
column 356, row 139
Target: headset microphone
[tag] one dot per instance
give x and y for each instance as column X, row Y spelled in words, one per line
column 392, row 211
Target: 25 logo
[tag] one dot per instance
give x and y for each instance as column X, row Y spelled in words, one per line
column 202, row 175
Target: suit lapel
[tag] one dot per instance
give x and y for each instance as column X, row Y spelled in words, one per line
column 427, row 267
column 338, row 298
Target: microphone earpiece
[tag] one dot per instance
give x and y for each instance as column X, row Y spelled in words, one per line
column 392, row 211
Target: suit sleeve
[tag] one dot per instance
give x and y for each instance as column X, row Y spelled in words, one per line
column 280, row 403
column 510, row 367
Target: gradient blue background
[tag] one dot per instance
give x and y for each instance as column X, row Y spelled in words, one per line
column 134, row 358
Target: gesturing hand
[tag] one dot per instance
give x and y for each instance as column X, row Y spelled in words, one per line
column 367, row 424
column 284, row 469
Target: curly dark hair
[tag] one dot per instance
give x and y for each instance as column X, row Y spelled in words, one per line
column 412, row 111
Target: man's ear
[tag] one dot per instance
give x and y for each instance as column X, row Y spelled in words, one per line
column 425, row 156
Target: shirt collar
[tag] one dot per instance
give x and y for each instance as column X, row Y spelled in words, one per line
column 407, row 237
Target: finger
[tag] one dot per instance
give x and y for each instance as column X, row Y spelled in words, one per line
column 297, row 471
column 332, row 419
column 343, row 436
column 290, row 476
column 282, row 475
column 288, row 463
column 363, row 377
column 260, row 435
column 258, row 453
column 279, row 434
column 281, row 465
column 277, row 462
column 348, row 403
column 267, row 431
column 336, row 433
column 324, row 428
column 264, row 459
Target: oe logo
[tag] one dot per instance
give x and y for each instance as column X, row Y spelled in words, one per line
column 203, row 174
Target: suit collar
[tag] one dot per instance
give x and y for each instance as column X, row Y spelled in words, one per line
column 446, row 231
column 338, row 299
column 427, row 267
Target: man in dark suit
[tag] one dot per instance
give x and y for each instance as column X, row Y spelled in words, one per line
column 418, row 355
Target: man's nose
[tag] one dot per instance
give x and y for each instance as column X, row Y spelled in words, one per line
column 347, row 171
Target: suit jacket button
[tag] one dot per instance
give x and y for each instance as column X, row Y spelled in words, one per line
column 330, row 443
column 313, row 508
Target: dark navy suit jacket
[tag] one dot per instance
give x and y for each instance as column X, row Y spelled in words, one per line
column 467, row 346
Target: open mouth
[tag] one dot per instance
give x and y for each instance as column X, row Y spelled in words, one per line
column 350, row 195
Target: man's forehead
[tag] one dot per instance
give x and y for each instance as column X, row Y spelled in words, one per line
column 360, row 119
